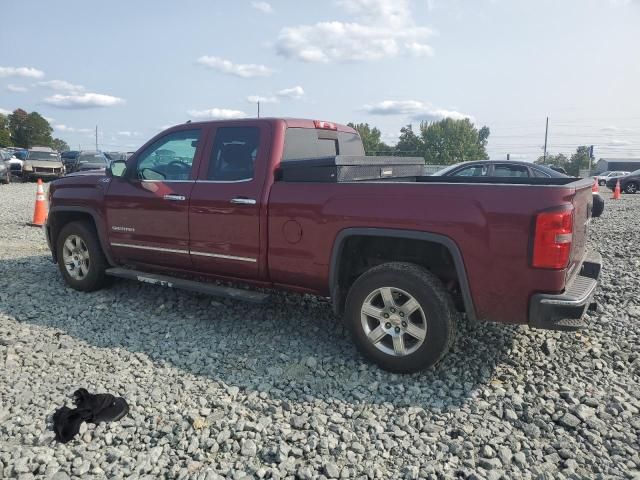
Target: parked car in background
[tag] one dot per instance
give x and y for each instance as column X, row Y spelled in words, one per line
column 88, row 160
column 5, row 173
column 498, row 168
column 628, row 184
column 558, row 169
column 42, row 162
column 69, row 158
column 113, row 156
column 501, row 169
column 12, row 162
column 604, row 176
column 21, row 154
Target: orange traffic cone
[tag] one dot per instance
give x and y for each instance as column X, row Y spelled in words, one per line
column 40, row 210
column 616, row 192
column 595, row 188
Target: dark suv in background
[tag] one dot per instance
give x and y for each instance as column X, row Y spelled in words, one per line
column 87, row 160
column 628, row 184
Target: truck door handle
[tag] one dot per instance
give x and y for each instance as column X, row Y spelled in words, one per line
column 177, row 198
column 243, row 201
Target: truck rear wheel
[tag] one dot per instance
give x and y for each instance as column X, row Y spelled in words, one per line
column 400, row 317
column 80, row 257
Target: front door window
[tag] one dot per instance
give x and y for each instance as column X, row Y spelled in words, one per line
column 170, row 158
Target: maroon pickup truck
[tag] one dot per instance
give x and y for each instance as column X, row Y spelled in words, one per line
column 294, row 204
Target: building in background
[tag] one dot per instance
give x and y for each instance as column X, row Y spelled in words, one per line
column 624, row 164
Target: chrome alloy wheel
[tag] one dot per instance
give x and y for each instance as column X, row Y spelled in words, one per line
column 393, row 321
column 75, row 256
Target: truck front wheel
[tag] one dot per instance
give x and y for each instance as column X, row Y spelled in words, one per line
column 400, row 317
column 80, row 257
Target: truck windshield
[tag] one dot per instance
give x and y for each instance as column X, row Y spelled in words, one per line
column 49, row 156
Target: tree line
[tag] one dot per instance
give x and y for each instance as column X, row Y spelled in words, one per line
column 580, row 160
column 448, row 141
column 442, row 142
column 26, row 130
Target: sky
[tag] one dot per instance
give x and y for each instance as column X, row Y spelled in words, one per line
column 135, row 68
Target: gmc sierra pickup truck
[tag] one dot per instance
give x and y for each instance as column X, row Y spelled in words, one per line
column 296, row 205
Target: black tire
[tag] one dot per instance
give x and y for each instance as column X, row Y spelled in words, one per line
column 95, row 278
column 25, row 178
column 631, row 187
column 7, row 178
column 436, row 303
column 598, row 206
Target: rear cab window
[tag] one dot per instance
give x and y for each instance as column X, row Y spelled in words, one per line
column 504, row 170
column 314, row 143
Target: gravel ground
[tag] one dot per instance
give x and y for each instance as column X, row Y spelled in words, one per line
column 220, row 389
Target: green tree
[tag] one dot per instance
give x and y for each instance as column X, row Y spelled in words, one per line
column 5, row 134
column 370, row 138
column 559, row 160
column 450, row 141
column 579, row 160
column 29, row 129
column 59, row 145
column 409, row 143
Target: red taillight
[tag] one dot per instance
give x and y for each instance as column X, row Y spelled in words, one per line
column 552, row 241
column 325, row 125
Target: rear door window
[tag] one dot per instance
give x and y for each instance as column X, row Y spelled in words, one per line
column 234, row 154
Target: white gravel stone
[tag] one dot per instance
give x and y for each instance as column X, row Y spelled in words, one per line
column 282, row 392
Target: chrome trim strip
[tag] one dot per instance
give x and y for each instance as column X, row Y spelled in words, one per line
column 155, row 249
column 226, row 257
column 165, row 181
column 171, row 250
column 244, row 180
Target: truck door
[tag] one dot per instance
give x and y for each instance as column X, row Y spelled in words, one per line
column 147, row 209
column 226, row 201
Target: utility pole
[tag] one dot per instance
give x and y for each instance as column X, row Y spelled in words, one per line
column 258, row 109
column 546, row 132
column 508, row 157
column 96, row 137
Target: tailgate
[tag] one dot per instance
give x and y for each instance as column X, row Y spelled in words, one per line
column 582, row 202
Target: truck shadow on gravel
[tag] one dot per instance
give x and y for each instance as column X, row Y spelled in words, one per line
column 293, row 348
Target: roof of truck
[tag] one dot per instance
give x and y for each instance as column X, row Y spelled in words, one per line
column 291, row 122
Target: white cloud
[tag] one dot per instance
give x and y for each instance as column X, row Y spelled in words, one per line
column 294, row 93
column 83, row 100
column 247, row 70
column 65, row 129
column 385, row 29
column 127, row 133
column 618, row 143
column 264, row 7
column 27, row 72
column 416, row 109
column 217, row 113
column 61, row 85
column 16, row 88
column 5, row 112
column 261, row 99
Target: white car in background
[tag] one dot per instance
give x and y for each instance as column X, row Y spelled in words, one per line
column 604, row 176
column 13, row 163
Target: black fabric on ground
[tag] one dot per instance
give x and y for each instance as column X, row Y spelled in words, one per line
column 101, row 407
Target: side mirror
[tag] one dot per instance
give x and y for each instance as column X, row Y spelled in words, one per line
column 117, row 168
